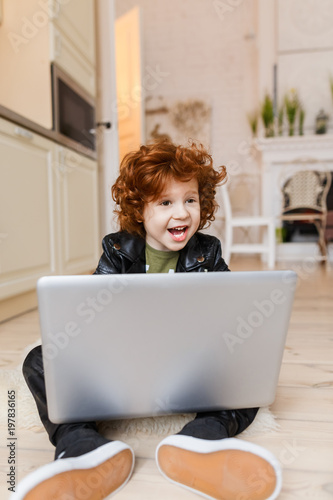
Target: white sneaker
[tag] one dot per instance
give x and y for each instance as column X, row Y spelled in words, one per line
column 228, row 469
column 92, row 476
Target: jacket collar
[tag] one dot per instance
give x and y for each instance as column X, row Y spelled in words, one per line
column 132, row 248
column 192, row 256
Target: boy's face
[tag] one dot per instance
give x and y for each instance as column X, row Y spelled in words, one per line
column 172, row 219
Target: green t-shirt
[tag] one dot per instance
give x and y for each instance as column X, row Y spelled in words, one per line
column 158, row 261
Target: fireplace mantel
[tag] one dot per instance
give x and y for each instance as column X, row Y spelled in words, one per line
column 282, row 149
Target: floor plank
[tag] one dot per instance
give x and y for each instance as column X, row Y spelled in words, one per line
column 303, row 406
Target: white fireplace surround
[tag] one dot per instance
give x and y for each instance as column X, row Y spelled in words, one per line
column 280, row 157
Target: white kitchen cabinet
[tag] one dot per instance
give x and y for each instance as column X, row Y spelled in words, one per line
column 27, row 230
column 35, row 33
column 48, row 210
column 72, row 37
column 78, row 245
column 75, row 19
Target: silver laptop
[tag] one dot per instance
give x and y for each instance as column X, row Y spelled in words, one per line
column 117, row 346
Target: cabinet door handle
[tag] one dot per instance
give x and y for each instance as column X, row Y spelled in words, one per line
column 24, row 133
column 100, row 124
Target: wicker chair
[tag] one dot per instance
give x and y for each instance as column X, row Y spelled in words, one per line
column 304, row 201
column 329, row 227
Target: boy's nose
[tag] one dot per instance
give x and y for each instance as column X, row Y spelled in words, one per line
column 180, row 211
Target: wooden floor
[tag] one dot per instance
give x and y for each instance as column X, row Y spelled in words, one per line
column 303, row 406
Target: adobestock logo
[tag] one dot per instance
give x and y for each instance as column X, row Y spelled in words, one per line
column 257, row 484
column 246, row 326
column 68, row 162
column 151, row 80
column 30, row 27
column 87, row 309
column 223, row 7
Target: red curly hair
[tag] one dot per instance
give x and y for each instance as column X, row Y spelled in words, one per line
column 144, row 174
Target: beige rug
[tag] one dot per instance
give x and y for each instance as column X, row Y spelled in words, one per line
column 27, row 416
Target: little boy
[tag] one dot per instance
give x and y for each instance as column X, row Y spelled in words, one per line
column 164, row 194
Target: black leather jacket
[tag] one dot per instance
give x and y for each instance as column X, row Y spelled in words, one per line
column 124, row 253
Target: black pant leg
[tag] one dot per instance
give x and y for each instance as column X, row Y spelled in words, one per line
column 33, row 371
column 219, row 424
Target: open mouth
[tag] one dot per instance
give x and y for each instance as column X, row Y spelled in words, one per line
column 178, row 233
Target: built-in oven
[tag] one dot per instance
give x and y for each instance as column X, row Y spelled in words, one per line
column 73, row 113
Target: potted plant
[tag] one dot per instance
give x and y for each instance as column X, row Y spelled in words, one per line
column 253, row 119
column 301, row 117
column 321, row 122
column 267, row 115
column 291, row 102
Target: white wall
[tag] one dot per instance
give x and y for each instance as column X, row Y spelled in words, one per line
column 226, row 50
column 206, row 49
column 305, row 54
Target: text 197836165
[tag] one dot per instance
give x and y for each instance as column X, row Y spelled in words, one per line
column 11, row 440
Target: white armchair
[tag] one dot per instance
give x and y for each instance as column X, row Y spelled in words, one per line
column 267, row 246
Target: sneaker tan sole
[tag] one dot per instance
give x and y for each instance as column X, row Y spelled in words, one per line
column 93, row 483
column 224, row 475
